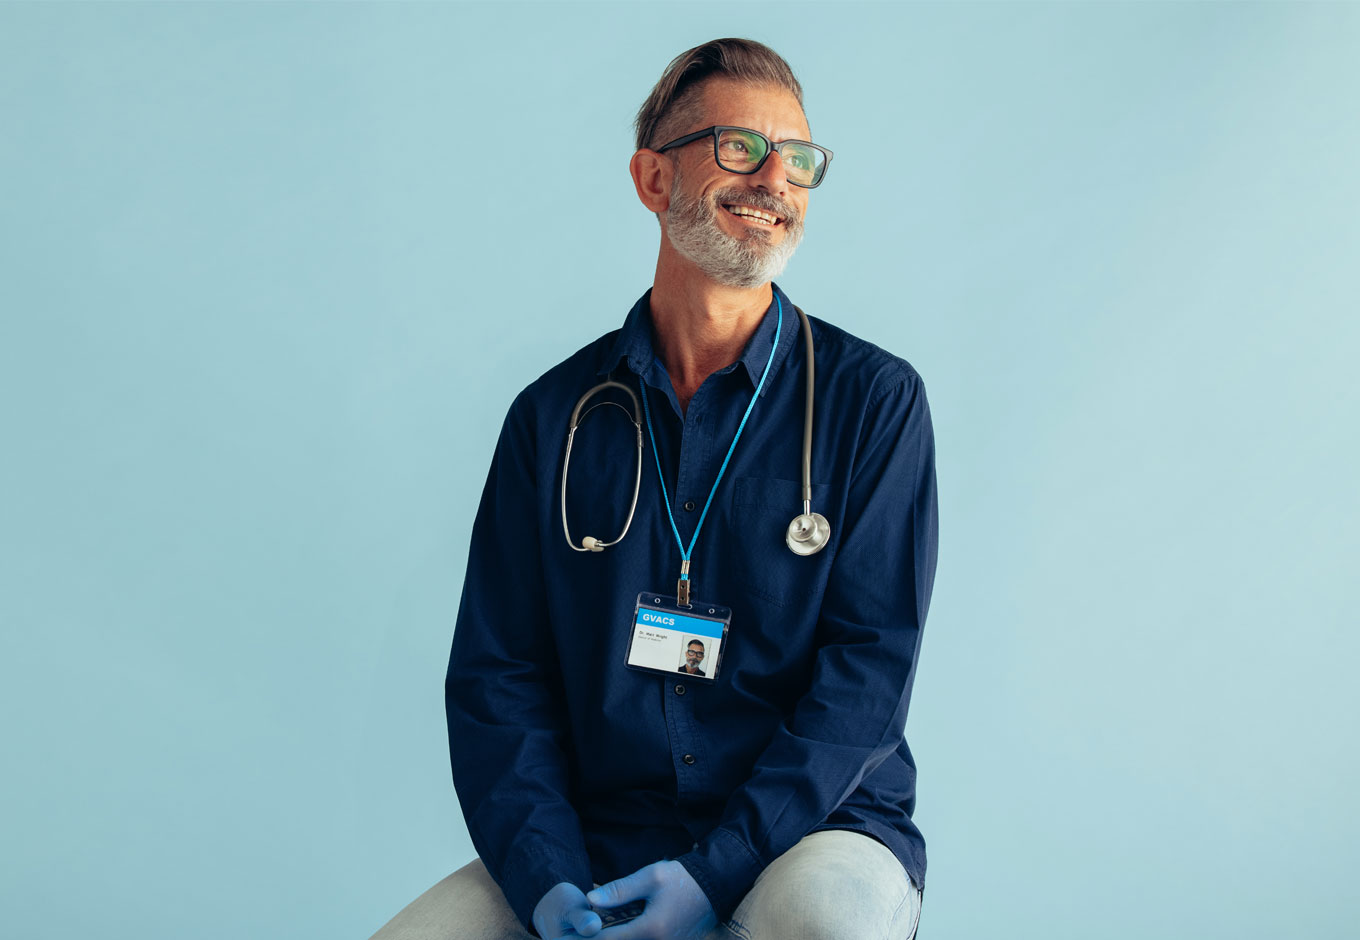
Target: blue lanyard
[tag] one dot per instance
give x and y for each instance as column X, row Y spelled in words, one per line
column 682, row 588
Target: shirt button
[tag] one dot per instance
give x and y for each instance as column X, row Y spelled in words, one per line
column 688, row 758
column 679, row 689
column 689, row 505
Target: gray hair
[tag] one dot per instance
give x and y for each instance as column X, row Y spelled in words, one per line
column 674, row 102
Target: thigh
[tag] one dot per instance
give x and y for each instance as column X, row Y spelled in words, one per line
column 831, row 885
column 466, row 905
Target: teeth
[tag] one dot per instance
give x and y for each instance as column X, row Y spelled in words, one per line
column 752, row 213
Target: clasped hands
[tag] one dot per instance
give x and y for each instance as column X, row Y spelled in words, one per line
column 677, row 908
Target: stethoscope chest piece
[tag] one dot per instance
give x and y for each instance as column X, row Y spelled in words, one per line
column 808, row 534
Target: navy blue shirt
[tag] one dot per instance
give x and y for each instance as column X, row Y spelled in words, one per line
column 569, row 765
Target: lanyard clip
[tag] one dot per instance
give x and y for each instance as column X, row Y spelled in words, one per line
column 682, row 586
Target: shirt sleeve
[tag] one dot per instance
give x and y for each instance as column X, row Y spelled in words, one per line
column 502, row 695
column 869, row 633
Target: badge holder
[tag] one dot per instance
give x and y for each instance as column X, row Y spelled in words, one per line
column 668, row 638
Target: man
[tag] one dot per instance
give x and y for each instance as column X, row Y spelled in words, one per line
column 694, row 655
column 772, row 799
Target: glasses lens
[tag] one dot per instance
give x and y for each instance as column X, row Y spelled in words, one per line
column 740, row 151
column 804, row 164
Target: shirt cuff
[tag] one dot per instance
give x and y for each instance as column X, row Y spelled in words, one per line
column 534, row 871
column 725, row 867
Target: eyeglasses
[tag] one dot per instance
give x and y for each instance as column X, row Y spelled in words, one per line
column 742, row 150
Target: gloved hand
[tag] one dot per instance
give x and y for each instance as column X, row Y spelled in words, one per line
column 564, row 913
column 677, row 908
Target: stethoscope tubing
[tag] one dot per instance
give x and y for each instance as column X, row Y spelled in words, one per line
column 809, row 385
column 808, row 519
column 590, row 544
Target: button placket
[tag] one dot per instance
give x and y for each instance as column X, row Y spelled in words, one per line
column 684, row 746
column 693, row 470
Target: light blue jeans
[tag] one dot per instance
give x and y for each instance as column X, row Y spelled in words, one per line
column 834, row 885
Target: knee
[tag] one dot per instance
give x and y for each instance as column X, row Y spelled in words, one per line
column 831, row 886
column 467, row 905
column 809, row 906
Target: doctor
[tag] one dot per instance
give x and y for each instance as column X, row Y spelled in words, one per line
column 772, row 798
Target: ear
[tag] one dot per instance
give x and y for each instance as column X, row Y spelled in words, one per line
column 652, row 175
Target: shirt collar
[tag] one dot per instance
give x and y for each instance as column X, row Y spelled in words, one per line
column 634, row 341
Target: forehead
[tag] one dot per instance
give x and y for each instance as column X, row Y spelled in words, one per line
column 772, row 110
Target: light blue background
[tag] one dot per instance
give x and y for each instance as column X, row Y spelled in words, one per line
column 271, row 274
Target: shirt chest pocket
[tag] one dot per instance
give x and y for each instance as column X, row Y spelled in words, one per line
column 763, row 509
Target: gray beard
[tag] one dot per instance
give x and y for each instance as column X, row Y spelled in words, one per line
column 692, row 227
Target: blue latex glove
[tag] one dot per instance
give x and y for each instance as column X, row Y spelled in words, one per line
column 564, row 913
column 677, row 908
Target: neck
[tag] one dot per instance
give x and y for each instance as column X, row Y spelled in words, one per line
column 700, row 326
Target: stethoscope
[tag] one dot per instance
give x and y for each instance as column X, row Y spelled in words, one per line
column 807, row 534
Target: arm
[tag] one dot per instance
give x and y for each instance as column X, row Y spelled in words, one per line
column 853, row 715
column 502, row 694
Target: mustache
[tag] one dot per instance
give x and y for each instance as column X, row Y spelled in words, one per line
column 756, row 199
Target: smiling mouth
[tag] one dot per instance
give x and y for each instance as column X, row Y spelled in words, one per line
column 753, row 215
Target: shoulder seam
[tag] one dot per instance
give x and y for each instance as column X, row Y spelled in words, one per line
column 899, row 376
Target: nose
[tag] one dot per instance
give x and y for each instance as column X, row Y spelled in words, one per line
column 771, row 177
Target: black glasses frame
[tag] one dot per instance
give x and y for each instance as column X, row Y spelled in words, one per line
column 771, row 145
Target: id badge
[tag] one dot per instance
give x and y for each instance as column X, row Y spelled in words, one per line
column 672, row 640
